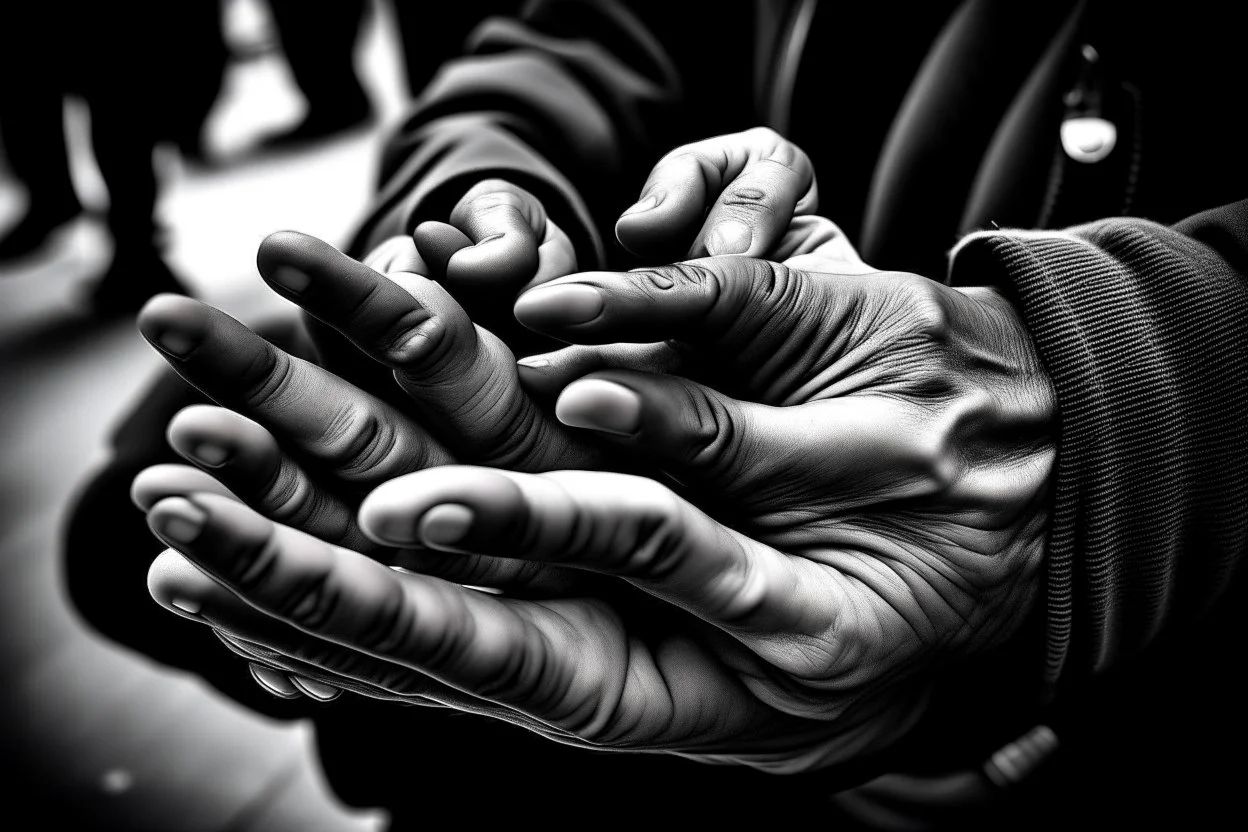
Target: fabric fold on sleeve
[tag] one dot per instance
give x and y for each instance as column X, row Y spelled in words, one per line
column 1142, row 329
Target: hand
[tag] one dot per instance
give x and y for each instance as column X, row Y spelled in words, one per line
column 879, row 484
column 497, row 242
column 751, row 193
column 302, row 445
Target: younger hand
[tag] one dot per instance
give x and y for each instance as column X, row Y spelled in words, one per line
column 871, row 482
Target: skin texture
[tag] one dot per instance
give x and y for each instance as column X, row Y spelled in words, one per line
column 880, row 459
column 845, row 474
column 396, row 326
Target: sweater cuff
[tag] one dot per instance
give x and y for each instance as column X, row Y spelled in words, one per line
column 1137, row 327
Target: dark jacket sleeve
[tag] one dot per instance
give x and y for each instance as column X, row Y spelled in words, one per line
column 1144, row 330
column 574, row 100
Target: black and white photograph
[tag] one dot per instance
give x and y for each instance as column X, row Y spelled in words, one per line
column 592, row 413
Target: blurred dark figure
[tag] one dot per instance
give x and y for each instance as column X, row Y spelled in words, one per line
column 450, row 26
column 148, row 76
column 319, row 44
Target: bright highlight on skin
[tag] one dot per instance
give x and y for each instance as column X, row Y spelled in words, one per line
column 600, row 405
column 445, row 524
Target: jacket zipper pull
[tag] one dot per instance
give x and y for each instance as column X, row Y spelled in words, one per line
column 1087, row 136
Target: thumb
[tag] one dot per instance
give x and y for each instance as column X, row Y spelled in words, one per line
column 735, row 311
column 747, row 455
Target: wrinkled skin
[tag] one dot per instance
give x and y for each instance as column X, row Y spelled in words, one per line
column 861, row 501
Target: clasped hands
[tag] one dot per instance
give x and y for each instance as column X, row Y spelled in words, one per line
column 738, row 508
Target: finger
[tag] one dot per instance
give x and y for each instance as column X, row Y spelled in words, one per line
column 247, row 460
column 506, row 224
column 314, row 689
column 289, row 669
column 338, row 355
column 660, row 226
column 459, row 636
column 358, row 437
column 156, row 482
column 545, row 375
column 556, row 256
column 488, row 306
column 396, row 254
column 615, row 524
column 436, row 242
column 499, row 242
column 817, row 244
column 184, row 589
column 737, row 193
column 276, row 683
column 737, row 310
column 460, row 377
column 826, row 456
column 277, row 488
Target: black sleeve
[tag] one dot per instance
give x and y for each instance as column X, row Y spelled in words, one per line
column 574, row 100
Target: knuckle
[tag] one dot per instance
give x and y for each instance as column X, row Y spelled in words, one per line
column 678, row 277
column 434, row 353
column 742, row 595
column 491, row 195
column 691, row 275
column 934, row 459
column 290, row 498
column 398, row 341
column 253, row 564
column 749, row 203
column 391, row 627
column 493, row 186
column 309, row 602
column 787, row 159
column 659, row 540
column 357, row 440
column 928, row 307
column 711, row 433
column 774, row 283
column 764, row 136
column 384, row 328
column 282, row 494
column 691, row 152
column 267, row 378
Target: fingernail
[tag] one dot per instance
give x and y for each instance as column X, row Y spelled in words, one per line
column 446, row 524
column 533, row 362
column 210, row 454
column 180, row 520
column 187, row 605
column 644, row 204
column 174, row 343
column 729, row 237
column 291, row 279
column 316, row 690
column 274, row 682
column 599, row 405
column 554, row 306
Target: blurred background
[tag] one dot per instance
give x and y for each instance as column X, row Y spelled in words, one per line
column 104, row 729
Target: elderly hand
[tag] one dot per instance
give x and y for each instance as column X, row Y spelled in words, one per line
column 865, row 503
